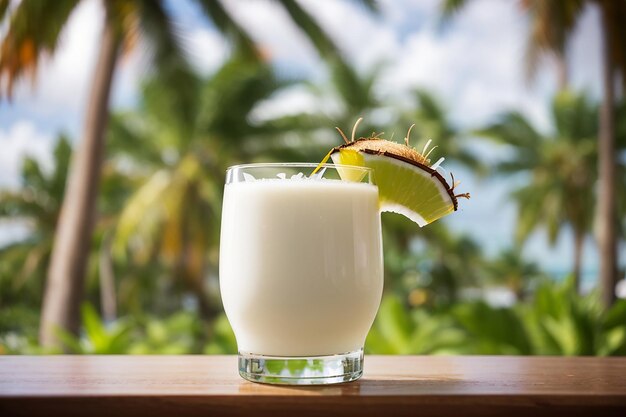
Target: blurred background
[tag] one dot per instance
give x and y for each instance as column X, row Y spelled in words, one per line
column 119, row 118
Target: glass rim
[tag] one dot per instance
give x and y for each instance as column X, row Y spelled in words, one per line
column 295, row 165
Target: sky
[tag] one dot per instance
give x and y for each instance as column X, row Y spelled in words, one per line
column 474, row 65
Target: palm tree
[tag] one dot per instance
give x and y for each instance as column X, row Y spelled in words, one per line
column 561, row 168
column 173, row 217
column 552, row 25
column 512, row 270
column 36, row 203
column 34, row 29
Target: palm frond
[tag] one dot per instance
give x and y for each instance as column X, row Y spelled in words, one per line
column 172, row 70
column 551, row 26
column 519, row 164
column 34, row 32
column 528, row 212
column 32, row 174
column 142, row 216
column 11, row 204
column 513, row 129
column 229, row 97
column 429, row 107
column 62, row 156
column 575, row 116
column 129, row 137
column 291, row 123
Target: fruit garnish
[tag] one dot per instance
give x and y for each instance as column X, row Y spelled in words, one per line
column 407, row 182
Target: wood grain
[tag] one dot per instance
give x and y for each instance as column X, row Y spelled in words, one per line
column 396, row 385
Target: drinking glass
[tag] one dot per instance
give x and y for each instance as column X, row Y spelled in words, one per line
column 301, row 272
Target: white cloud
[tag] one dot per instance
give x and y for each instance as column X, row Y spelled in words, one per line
column 293, row 100
column 403, row 13
column 20, row 140
column 207, row 49
column 476, row 65
column 12, row 231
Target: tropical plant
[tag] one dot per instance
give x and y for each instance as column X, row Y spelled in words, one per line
column 452, row 262
column 561, row 168
column 180, row 333
column 34, row 29
column 398, row 331
column 555, row 322
column 552, row 26
column 559, row 323
column 222, row 340
column 173, row 217
column 98, row 337
column 510, row 269
column 35, row 204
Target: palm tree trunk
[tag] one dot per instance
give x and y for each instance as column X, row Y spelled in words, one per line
column 64, row 287
column 579, row 241
column 107, row 280
column 607, row 166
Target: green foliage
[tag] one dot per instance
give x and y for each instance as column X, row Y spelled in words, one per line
column 18, row 329
column 560, row 169
column 510, row 269
column 161, row 201
column 561, row 323
column 180, row 333
column 556, row 321
column 492, row 331
column 98, row 337
column 36, row 204
column 222, row 338
column 399, row 331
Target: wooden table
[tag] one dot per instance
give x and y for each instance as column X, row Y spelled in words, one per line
column 116, row 386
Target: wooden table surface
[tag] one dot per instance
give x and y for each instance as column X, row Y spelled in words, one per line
column 116, row 386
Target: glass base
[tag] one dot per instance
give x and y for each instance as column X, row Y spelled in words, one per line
column 301, row 370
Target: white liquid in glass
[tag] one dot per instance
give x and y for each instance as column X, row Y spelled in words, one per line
column 301, row 270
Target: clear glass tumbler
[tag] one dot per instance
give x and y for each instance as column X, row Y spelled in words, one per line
column 301, row 271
